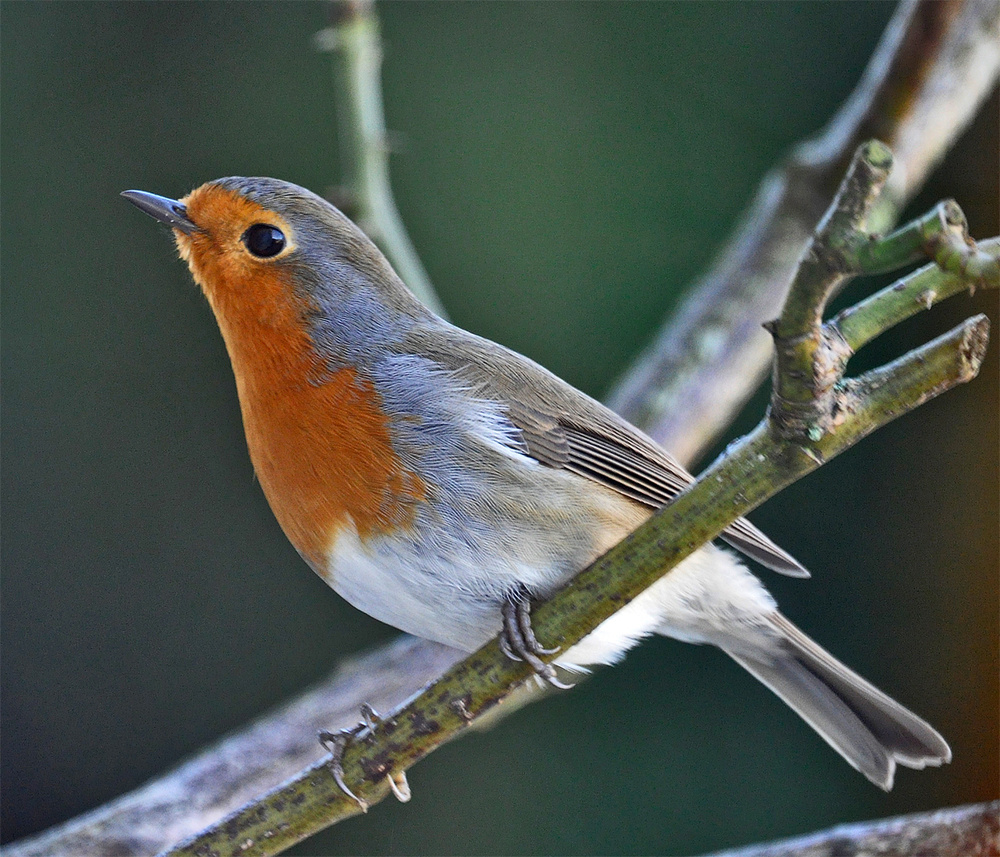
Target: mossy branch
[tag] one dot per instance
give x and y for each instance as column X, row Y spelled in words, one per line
column 828, row 414
column 932, row 91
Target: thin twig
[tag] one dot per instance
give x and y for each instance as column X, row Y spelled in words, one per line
column 859, row 325
column 355, row 45
column 750, row 471
column 961, row 831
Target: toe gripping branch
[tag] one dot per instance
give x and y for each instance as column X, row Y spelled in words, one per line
column 335, row 743
column 518, row 641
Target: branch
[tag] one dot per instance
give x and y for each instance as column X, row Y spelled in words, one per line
column 222, row 776
column 244, row 765
column 857, row 326
column 353, row 40
column 962, row 831
column 935, row 64
column 828, row 418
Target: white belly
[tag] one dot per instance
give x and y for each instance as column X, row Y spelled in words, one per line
column 710, row 597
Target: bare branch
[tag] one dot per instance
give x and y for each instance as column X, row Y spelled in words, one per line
column 242, row 766
column 962, row 831
column 828, row 419
column 354, row 42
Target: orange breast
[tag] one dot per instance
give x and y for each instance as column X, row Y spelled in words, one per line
column 323, row 455
column 319, row 440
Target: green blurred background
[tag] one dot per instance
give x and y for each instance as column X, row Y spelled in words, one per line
column 565, row 170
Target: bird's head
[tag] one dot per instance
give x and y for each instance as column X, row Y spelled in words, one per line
column 268, row 253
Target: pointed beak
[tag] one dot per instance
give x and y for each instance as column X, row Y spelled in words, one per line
column 164, row 209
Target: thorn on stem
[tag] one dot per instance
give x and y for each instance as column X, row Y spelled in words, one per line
column 399, row 786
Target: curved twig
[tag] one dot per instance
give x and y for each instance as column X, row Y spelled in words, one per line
column 829, row 418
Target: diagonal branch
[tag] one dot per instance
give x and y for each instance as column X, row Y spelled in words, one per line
column 945, row 84
column 961, row 831
column 778, row 452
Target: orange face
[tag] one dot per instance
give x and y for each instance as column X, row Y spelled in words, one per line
column 318, row 437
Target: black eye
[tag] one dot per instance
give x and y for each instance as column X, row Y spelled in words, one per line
column 264, row 240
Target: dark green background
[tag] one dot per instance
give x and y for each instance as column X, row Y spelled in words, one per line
column 565, row 170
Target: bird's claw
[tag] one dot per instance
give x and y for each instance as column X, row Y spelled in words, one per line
column 370, row 716
column 507, row 650
column 399, row 786
column 335, row 742
column 518, row 641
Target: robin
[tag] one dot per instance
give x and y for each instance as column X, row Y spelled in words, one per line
column 439, row 481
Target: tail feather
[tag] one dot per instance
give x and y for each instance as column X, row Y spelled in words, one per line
column 869, row 729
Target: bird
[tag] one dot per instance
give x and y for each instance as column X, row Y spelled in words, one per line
column 440, row 482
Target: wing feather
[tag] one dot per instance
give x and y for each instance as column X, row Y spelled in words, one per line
column 638, row 468
column 567, row 429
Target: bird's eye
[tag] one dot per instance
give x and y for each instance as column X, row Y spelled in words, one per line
column 264, row 240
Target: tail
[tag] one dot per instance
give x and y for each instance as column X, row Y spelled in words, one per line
column 870, row 730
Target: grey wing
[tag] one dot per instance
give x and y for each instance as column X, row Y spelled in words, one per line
column 563, row 427
column 622, row 458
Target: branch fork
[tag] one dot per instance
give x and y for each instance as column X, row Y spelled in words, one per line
column 935, row 64
column 810, row 396
column 815, row 414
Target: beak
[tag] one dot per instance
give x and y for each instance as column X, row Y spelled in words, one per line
column 166, row 210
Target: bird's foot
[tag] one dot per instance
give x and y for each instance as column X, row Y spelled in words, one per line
column 518, row 641
column 335, row 743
